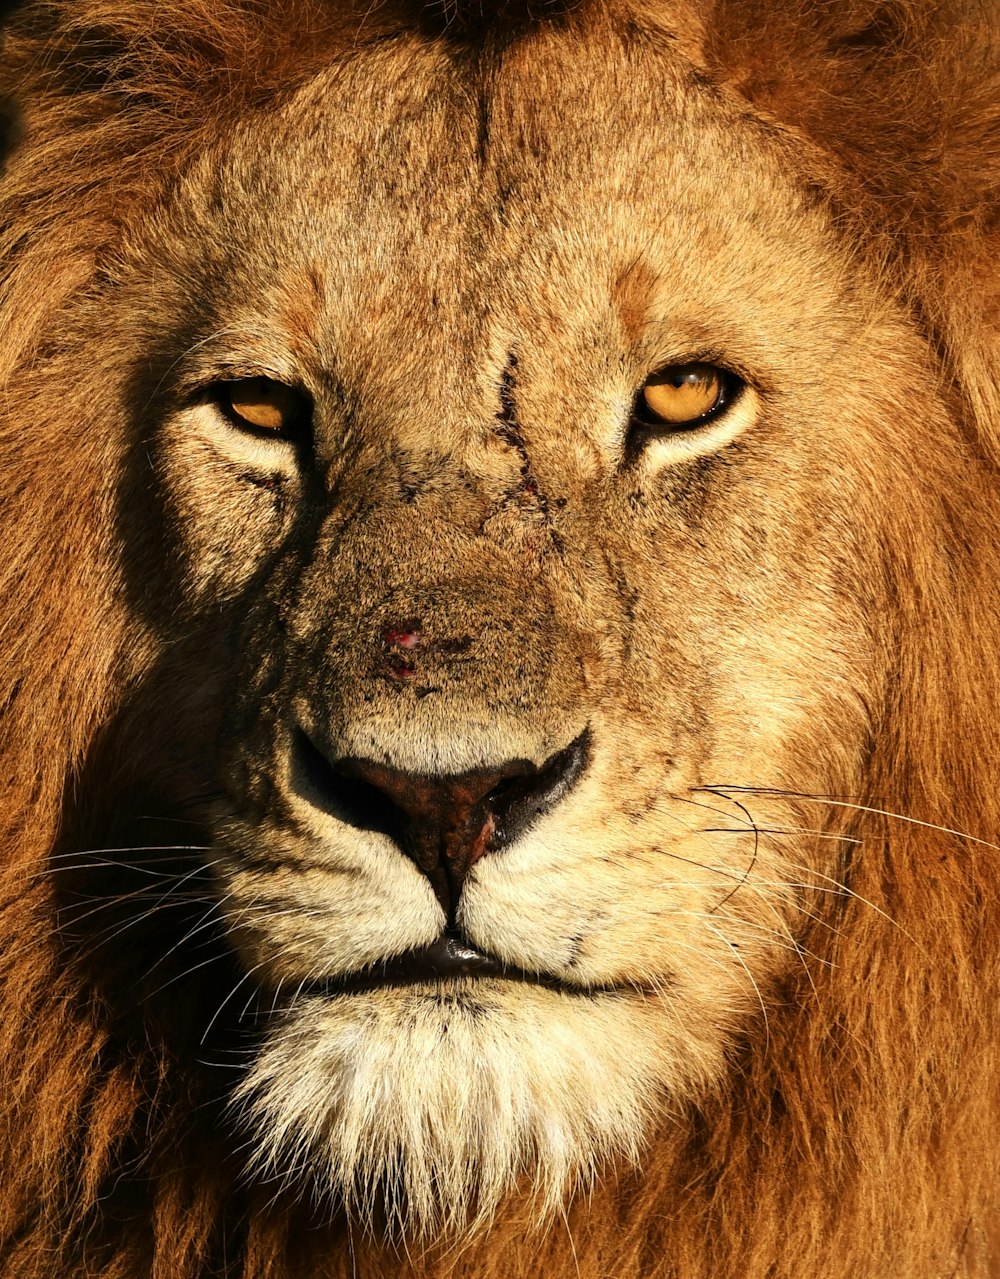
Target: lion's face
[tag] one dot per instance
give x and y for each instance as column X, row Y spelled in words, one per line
column 474, row 644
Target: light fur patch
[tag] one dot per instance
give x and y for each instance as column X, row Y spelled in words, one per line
column 436, row 1103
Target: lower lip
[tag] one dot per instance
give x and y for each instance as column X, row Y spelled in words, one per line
column 444, row 961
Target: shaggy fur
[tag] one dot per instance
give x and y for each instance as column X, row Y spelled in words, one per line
column 851, row 1129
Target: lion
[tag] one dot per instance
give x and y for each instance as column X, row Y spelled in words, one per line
column 500, row 660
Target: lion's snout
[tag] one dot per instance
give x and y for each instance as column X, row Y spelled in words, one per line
column 453, row 657
column 444, row 823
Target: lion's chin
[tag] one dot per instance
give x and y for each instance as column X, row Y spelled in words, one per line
column 423, row 1107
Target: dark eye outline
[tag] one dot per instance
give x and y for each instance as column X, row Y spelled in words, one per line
column 295, row 432
column 731, row 388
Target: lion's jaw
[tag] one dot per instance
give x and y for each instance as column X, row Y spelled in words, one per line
column 380, row 1096
column 678, row 603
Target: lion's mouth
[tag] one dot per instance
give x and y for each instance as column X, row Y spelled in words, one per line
column 449, row 958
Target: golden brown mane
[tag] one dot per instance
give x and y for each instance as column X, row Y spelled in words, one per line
column 874, row 1099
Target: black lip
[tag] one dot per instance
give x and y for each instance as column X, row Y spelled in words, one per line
column 446, row 959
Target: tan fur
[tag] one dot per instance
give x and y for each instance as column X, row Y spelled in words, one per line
column 771, row 898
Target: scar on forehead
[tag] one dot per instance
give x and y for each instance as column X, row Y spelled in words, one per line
column 632, row 295
column 508, row 415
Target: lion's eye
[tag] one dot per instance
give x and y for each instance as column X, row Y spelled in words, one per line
column 263, row 405
column 684, row 395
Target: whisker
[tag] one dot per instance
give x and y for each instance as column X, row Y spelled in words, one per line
column 753, row 981
column 753, row 857
column 72, row 861
column 104, row 938
column 785, row 939
column 129, row 848
column 182, row 976
column 783, row 830
column 75, row 919
column 170, row 895
column 809, row 870
column 212, row 916
column 218, row 1012
column 859, row 808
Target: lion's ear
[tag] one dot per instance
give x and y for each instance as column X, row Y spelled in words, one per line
column 905, row 96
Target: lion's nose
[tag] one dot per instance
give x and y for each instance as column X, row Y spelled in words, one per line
column 446, row 823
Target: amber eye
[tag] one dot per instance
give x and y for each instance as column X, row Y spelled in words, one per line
column 683, row 395
column 264, row 405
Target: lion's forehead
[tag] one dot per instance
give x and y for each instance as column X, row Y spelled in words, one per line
column 445, row 196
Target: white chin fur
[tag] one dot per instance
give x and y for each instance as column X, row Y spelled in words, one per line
column 436, row 1103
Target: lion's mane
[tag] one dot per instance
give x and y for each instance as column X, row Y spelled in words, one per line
column 860, row 1136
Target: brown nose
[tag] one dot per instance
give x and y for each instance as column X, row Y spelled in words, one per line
column 444, row 823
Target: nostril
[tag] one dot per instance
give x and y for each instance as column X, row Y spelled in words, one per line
column 343, row 794
column 517, row 801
